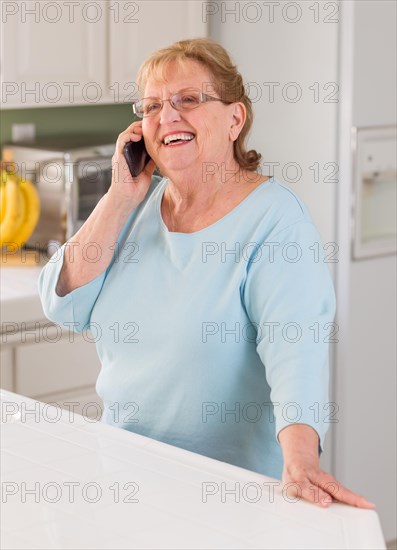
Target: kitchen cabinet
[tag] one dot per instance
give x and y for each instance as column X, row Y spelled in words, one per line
column 52, row 54
column 38, row 358
column 83, row 401
column 52, row 366
column 87, row 52
column 55, row 366
column 6, row 370
column 131, row 43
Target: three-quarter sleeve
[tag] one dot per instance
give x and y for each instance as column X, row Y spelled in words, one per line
column 74, row 309
column 290, row 299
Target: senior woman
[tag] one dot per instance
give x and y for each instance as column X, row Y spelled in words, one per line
column 210, row 293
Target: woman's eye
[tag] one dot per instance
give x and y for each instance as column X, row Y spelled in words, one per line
column 151, row 107
column 189, row 99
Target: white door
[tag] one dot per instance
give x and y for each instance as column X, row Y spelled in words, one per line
column 53, row 53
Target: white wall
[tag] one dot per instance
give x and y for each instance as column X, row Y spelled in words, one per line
column 302, row 132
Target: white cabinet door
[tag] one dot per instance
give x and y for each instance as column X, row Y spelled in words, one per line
column 85, row 53
column 84, row 401
column 53, row 53
column 49, row 367
column 136, row 29
column 6, row 369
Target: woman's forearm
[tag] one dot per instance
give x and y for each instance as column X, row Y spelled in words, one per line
column 89, row 252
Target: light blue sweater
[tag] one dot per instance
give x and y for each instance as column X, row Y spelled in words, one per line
column 212, row 341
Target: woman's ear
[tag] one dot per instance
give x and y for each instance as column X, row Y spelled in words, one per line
column 238, row 118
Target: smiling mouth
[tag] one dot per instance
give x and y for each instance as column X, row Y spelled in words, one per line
column 178, row 139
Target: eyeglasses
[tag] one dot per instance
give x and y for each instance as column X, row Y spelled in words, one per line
column 185, row 100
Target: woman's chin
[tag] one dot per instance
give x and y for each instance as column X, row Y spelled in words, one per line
column 177, row 165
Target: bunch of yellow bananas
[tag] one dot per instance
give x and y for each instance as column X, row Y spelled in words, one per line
column 19, row 210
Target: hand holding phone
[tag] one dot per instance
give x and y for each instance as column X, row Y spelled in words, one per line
column 136, row 156
column 130, row 160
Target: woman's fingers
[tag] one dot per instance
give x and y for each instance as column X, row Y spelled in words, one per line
column 340, row 493
column 132, row 133
column 321, row 489
column 304, row 488
column 124, row 185
column 354, row 499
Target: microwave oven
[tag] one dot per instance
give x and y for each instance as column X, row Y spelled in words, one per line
column 71, row 174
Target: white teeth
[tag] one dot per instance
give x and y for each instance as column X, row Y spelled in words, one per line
column 174, row 137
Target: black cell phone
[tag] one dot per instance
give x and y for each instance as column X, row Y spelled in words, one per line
column 136, row 156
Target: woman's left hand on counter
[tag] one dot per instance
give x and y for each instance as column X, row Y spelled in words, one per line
column 302, row 476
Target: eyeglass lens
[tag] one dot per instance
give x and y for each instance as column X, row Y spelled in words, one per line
column 185, row 100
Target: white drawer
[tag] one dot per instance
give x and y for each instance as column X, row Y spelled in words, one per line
column 85, row 402
column 6, row 370
column 50, row 367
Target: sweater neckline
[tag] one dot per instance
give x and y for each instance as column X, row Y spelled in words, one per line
column 212, row 225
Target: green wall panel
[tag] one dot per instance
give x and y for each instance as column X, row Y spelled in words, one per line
column 67, row 120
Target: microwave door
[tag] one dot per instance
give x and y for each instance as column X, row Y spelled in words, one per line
column 93, row 179
column 50, row 181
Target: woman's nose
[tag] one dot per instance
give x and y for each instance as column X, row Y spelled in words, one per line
column 168, row 113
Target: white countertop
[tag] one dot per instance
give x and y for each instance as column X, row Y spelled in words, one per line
column 160, row 488
column 20, row 302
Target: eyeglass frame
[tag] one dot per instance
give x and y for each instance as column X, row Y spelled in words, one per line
column 204, row 98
